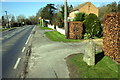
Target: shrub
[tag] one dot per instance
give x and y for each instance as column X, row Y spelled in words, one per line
column 61, row 23
column 80, row 17
column 92, row 26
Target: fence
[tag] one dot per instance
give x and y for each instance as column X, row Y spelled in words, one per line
column 111, row 36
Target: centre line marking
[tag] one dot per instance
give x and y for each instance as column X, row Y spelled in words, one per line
column 17, row 62
column 23, row 49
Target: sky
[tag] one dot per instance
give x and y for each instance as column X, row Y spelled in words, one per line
column 30, row 8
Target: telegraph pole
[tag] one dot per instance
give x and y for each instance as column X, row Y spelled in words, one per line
column 65, row 19
column 7, row 18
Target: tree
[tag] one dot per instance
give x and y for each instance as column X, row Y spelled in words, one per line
column 119, row 6
column 59, row 16
column 58, row 20
column 33, row 20
column 80, row 17
column 4, row 22
column 55, row 15
column 47, row 12
column 106, row 9
column 12, row 21
column 112, row 7
column 20, row 19
column 69, row 9
column 27, row 22
column 92, row 26
column 38, row 14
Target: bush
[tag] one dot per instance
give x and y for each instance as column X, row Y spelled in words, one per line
column 92, row 26
column 80, row 17
column 61, row 24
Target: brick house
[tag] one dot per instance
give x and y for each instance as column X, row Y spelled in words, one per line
column 87, row 8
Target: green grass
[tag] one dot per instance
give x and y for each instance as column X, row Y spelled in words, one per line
column 106, row 68
column 45, row 28
column 56, row 36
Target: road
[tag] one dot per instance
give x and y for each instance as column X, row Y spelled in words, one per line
column 13, row 43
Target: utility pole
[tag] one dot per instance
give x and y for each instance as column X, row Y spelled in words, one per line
column 7, row 18
column 65, row 19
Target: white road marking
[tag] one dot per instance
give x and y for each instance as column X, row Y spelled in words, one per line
column 17, row 62
column 23, row 49
column 28, row 39
column 30, row 35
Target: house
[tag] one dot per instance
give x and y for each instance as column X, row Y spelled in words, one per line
column 87, row 8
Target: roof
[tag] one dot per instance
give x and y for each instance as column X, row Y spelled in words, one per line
column 80, row 6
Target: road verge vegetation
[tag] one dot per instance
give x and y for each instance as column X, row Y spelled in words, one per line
column 56, row 36
column 45, row 28
column 7, row 29
column 105, row 68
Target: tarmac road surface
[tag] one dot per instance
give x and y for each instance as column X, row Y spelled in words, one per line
column 13, row 43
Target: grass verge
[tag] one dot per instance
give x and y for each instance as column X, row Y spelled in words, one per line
column 56, row 36
column 5, row 29
column 45, row 28
column 105, row 68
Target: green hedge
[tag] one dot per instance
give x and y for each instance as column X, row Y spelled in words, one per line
column 92, row 26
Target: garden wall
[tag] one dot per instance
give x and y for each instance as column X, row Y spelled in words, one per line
column 111, row 36
column 60, row 30
column 51, row 26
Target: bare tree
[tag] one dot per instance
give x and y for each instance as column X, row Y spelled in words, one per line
column 12, row 21
column 4, row 22
column 20, row 19
column 33, row 19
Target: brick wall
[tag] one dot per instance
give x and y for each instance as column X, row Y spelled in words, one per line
column 89, row 8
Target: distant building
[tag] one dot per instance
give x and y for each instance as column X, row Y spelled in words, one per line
column 87, row 8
